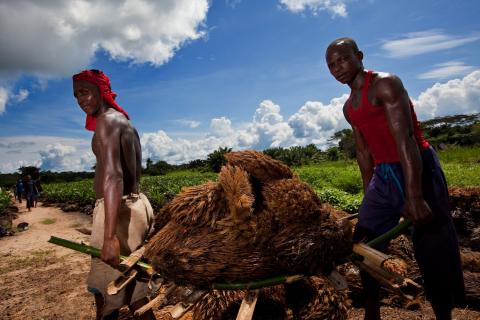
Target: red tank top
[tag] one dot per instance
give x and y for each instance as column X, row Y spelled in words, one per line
column 372, row 123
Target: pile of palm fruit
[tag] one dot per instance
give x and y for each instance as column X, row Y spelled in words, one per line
column 257, row 221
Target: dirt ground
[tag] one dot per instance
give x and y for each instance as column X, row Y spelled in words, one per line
column 39, row 280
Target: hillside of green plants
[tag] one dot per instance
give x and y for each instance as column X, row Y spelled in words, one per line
column 336, row 182
column 158, row 189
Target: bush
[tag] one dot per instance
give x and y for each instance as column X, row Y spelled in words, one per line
column 5, row 200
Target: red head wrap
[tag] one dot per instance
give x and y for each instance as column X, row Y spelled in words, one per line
column 99, row 79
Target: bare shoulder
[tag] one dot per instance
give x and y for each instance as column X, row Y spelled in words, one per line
column 113, row 121
column 387, row 86
column 388, row 80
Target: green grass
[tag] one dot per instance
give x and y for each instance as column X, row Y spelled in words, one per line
column 48, row 221
column 461, row 166
column 467, row 155
column 343, row 175
column 336, row 182
column 462, row 175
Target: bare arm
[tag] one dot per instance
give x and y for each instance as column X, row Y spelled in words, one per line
column 108, row 133
column 394, row 98
column 364, row 157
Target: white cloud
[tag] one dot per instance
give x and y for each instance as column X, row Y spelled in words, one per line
column 266, row 130
column 56, row 157
column 3, row 99
column 188, row 123
column 47, row 152
column 416, row 43
column 7, row 97
column 458, row 96
column 319, row 121
column 21, row 95
column 447, row 70
column 232, row 3
column 220, row 127
column 159, row 146
column 335, row 7
column 71, row 31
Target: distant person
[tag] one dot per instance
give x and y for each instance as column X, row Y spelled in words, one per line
column 19, row 190
column 38, row 189
column 122, row 217
column 30, row 191
column 401, row 176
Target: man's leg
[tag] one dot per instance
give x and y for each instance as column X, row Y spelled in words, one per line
column 436, row 245
column 29, row 203
column 439, row 261
column 99, row 303
column 371, row 290
column 442, row 312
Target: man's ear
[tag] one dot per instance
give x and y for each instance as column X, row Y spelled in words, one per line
column 360, row 55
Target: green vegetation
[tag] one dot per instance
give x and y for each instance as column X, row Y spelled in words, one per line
column 461, row 165
column 158, row 189
column 80, row 192
column 460, row 129
column 336, row 182
column 5, row 200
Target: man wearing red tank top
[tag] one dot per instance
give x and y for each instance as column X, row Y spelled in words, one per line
column 401, row 176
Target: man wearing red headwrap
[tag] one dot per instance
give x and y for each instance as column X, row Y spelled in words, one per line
column 122, row 217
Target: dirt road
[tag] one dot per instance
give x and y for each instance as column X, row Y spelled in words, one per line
column 39, row 280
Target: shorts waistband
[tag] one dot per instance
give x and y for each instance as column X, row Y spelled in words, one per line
column 129, row 197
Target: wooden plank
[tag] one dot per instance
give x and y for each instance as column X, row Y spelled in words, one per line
column 248, row 306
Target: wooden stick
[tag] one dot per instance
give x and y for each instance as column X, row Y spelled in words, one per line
column 128, row 274
column 156, row 302
column 247, row 308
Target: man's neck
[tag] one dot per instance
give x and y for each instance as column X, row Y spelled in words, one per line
column 359, row 81
column 103, row 108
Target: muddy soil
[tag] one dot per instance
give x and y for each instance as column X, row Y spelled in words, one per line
column 39, row 280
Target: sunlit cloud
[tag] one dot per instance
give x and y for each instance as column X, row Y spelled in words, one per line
column 337, row 8
column 416, row 43
column 448, row 69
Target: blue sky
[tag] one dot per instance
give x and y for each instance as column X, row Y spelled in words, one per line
column 198, row 75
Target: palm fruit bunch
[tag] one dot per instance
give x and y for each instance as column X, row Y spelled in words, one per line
column 258, row 220
column 312, row 298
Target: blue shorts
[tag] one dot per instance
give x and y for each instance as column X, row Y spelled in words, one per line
column 436, row 245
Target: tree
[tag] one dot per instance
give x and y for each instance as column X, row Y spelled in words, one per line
column 346, row 142
column 216, row 159
column 333, row 154
column 33, row 171
column 149, row 164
